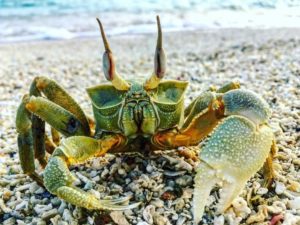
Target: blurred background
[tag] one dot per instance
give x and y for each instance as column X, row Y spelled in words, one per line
column 29, row 20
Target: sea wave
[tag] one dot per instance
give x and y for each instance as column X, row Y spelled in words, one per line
column 26, row 20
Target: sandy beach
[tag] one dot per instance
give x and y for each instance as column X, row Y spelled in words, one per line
column 265, row 61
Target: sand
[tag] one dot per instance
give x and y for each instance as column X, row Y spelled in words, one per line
column 265, row 61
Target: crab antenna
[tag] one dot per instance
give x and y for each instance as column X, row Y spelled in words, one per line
column 109, row 67
column 159, row 61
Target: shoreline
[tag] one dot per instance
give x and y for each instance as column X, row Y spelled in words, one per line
column 285, row 31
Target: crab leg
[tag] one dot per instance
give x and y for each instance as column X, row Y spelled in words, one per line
column 59, row 118
column 236, row 150
column 25, row 143
column 202, row 116
column 61, row 111
column 58, row 179
column 59, row 96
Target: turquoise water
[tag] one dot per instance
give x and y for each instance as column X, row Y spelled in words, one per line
column 28, row 20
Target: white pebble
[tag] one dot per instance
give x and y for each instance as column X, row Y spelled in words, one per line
column 262, row 191
column 280, row 188
column 220, row 220
column 295, row 203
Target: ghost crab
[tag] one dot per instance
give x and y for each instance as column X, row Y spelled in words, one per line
column 231, row 122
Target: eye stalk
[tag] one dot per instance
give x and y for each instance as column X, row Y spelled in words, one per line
column 159, row 61
column 109, row 67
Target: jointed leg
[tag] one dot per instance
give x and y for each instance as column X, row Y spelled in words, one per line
column 59, row 96
column 268, row 169
column 32, row 114
column 202, row 117
column 74, row 150
column 25, row 143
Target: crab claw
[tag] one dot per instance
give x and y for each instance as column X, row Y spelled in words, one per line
column 58, row 179
column 236, row 150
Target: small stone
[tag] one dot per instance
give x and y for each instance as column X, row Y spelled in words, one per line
column 149, row 168
column 179, row 204
column 294, row 204
column 49, row 214
column 157, row 203
column 184, row 180
column 119, row 218
column 280, row 188
column 220, row 220
column 121, row 171
column 160, row 220
column 6, row 194
column 148, row 214
column 262, row 191
column 33, row 187
column 42, row 208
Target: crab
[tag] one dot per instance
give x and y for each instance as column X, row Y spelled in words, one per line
column 229, row 123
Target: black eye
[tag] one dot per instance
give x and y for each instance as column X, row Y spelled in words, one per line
column 72, row 125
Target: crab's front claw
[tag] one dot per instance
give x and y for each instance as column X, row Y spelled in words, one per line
column 58, row 179
column 236, row 150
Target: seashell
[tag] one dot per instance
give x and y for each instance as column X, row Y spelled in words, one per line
column 148, row 214
column 276, row 219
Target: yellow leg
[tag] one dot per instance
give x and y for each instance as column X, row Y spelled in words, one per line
column 58, row 179
column 268, row 169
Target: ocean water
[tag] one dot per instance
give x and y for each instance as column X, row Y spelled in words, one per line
column 28, row 20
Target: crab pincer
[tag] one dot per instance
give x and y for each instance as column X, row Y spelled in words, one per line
column 58, row 179
column 236, row 150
